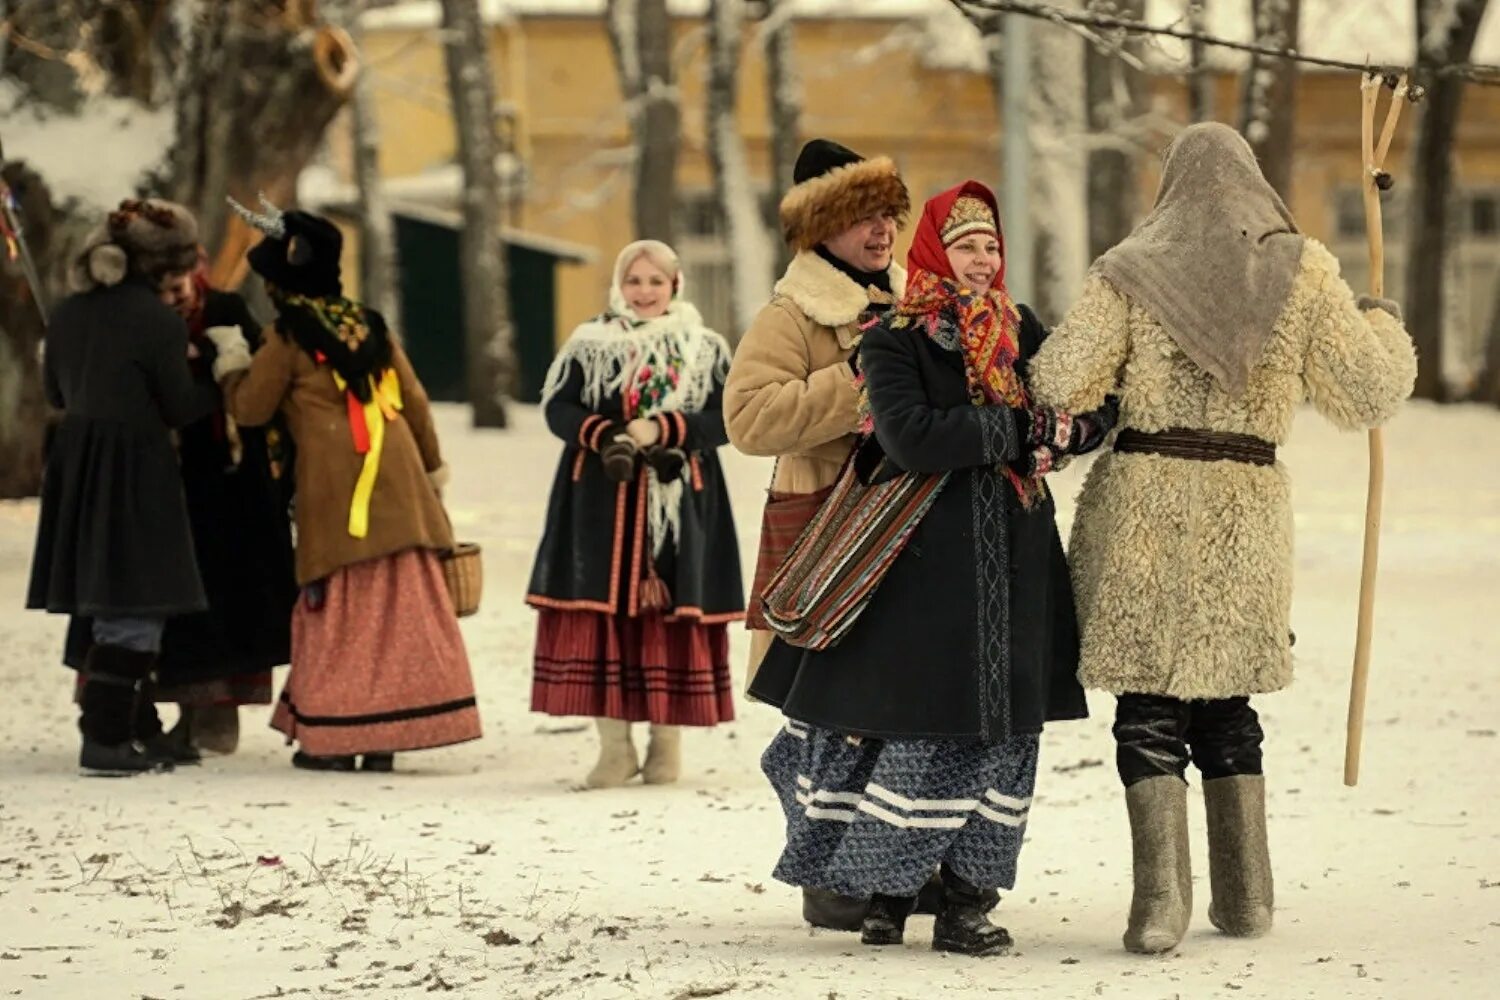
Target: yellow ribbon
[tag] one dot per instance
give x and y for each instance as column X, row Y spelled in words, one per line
column 385, row 403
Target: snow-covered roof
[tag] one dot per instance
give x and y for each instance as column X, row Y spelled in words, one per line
column 1350, row 30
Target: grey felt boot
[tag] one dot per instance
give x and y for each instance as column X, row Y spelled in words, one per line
column 1239, row 862
column 1162, row 903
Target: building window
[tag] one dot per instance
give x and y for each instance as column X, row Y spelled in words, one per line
column 706, row 257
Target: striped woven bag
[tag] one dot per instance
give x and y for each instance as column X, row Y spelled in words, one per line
column 831, row 572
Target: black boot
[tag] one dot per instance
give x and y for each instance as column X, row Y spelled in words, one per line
column 885, row 923
column 381, row 763
column 331, row 762
column 161, row 745
column 833, row 912
column 107, row 706
column 930, row 897
column 961, row 926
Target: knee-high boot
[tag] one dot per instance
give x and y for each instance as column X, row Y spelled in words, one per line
column 1162, row 902
column 113, row 676
column 1239, row 860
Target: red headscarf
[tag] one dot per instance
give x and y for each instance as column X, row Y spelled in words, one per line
column 927, row 252
column 989, row 323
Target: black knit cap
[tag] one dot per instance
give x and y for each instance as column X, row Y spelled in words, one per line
column 305, row 261
column 820, row 156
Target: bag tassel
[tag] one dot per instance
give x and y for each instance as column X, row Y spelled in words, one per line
column 655, row 595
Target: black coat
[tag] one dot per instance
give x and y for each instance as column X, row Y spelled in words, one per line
column 972, row 635
column 113, row 538
column 595, row 530
column 241, row 533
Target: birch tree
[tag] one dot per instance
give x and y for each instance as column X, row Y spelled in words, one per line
column 489, row 343
column 1446, row 30
column 784, row 98
column 1117, row 98
column 734, row 189
column 1056, row 128
column 640, row 33
column 379, row 273
column 1268, row 100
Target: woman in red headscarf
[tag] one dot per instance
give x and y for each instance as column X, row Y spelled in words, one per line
column 911, row 745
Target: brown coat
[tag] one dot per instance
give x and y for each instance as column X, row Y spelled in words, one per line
column 405, row 511
column 790, row 392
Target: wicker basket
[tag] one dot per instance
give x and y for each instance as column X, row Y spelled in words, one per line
column 464, row 573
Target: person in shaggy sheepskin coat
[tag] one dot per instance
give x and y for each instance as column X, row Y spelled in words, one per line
column 1211, row 322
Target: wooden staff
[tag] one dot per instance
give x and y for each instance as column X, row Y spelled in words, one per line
column 1375, row 180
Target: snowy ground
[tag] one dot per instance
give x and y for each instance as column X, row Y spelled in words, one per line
column 478, row 872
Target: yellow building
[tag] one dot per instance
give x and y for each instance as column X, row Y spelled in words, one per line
column 880, row 82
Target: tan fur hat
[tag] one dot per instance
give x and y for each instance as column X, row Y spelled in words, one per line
column 150, row 237
column 835, row 188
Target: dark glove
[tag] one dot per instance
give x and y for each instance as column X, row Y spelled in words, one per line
column 1039, row 461
column 1042, row 426
column 1368, row 302
column 667, row 462
column 618, row 452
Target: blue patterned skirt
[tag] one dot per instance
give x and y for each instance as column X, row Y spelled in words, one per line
column 870, row 816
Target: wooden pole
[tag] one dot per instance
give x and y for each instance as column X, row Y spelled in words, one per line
column 1375, row 178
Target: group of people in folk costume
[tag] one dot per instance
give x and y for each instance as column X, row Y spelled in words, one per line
column 164, row 528
column 908, row 758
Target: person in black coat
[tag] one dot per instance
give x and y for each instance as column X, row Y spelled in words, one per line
column 113, row 539
column 912, row 743
column 239, row 485
column 637, row 575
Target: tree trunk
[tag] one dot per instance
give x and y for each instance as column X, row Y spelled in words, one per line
column 23, row 408
column 1487, row 389
column 785, row 104
column 488, row 338
column 1445, row 34
column 254, row 102
column 1056, row 128
column 379, row 272
column 734, row 189
column 253, row 83
column 640, row 32
column 1117, row 96
column 1268, row 101
column 1200, row 81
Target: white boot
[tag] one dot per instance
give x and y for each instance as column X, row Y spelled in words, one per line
column 663, row 756
column 617, row 760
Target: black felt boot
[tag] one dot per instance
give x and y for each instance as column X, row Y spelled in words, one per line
column 107, row 720
column 885, row 923
column 961, row 925
column 169, row 746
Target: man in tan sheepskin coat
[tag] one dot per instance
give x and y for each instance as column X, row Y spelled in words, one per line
column 1212, row 322
column 790, row 392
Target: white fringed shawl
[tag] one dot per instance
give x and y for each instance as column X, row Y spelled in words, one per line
column 612, row 350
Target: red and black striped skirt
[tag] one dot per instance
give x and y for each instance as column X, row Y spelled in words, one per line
column 651, row 668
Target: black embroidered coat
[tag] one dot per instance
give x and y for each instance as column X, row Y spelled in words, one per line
column 242, row 535
column 971, row 636
column 593, row 550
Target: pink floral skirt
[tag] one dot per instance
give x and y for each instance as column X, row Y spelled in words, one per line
column 378, row 665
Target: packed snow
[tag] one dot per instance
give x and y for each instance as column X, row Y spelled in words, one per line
column 477, row 871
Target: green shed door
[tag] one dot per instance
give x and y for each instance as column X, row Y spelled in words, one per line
column 432, row 307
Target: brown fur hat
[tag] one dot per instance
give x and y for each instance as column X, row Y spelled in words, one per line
column 836, row 187
column 149, row 237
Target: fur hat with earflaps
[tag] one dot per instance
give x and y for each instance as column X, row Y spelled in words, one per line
column 146, row 237
column 834, row 188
